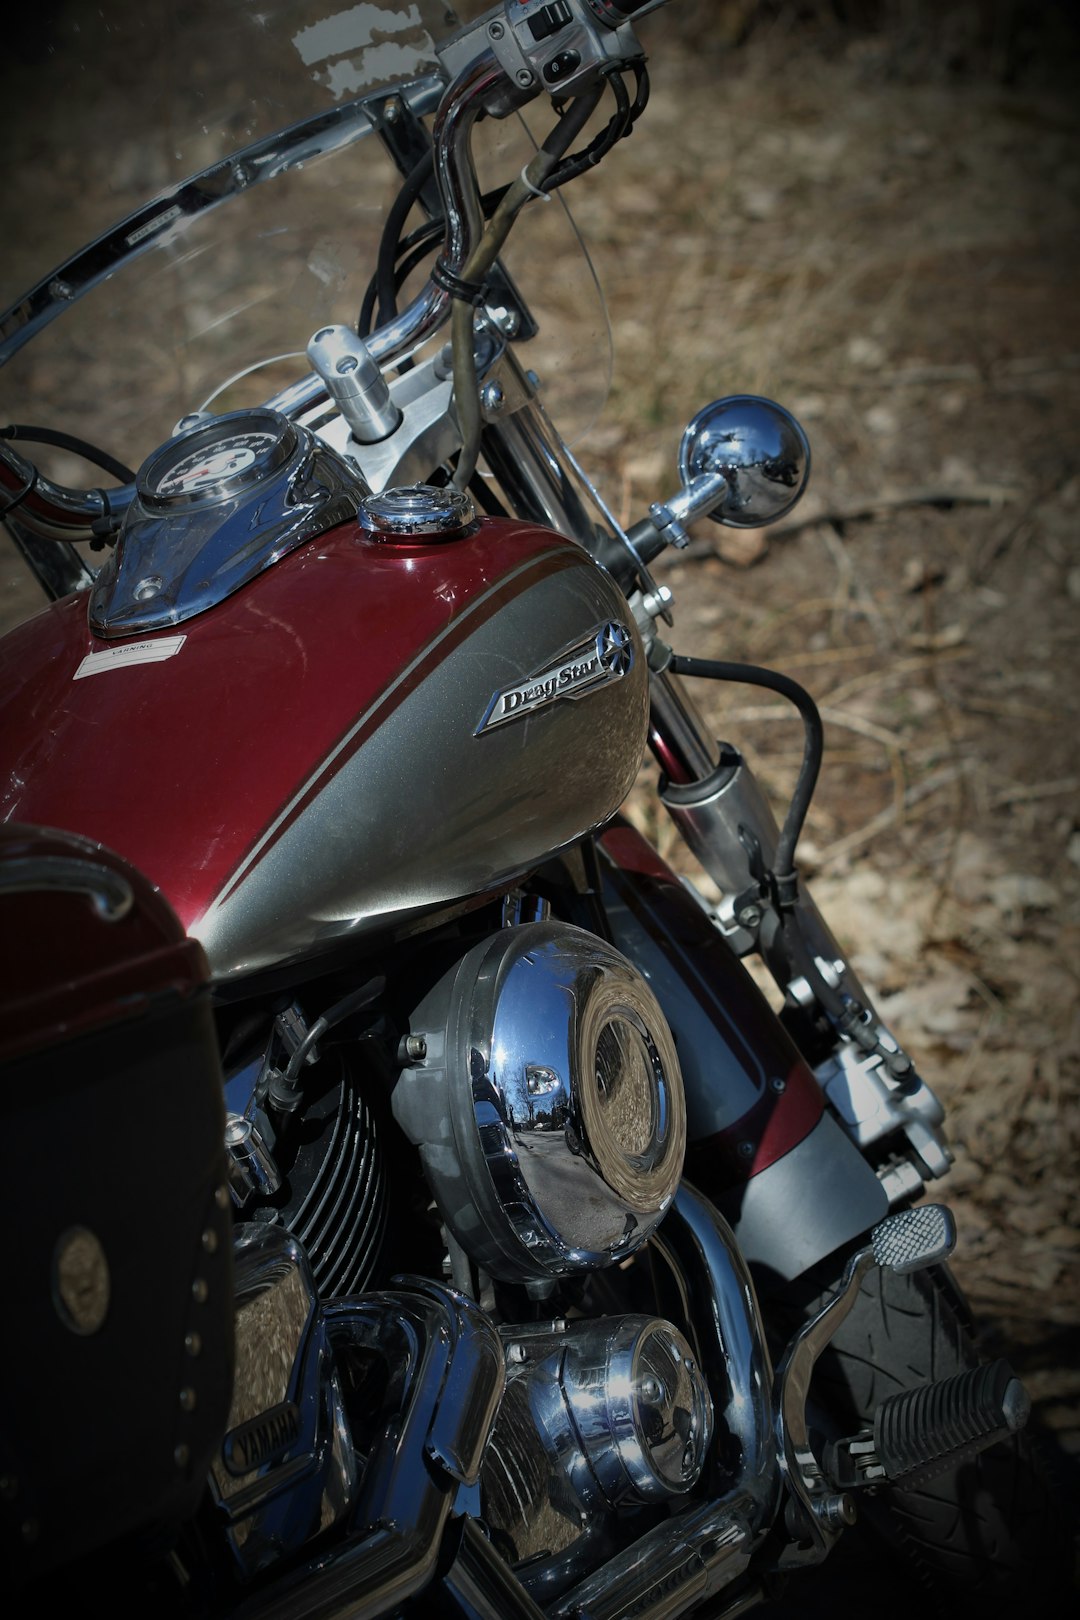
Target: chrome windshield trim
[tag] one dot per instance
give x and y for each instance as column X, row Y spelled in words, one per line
column 253, row 165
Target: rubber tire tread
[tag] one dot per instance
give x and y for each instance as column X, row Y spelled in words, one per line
column 997, row 1529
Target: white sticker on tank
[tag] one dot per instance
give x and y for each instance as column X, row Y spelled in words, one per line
column 132, row 652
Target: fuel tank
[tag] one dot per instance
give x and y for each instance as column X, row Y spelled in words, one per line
column 367, row 729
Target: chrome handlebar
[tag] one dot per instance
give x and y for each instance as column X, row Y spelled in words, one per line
column 494, row 64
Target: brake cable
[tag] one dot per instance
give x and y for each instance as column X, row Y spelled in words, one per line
column 68, row 441
column 400, row 256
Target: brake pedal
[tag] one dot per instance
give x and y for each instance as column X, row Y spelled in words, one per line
column 914, row 1238
column 903, row 1242
column 921, row 1433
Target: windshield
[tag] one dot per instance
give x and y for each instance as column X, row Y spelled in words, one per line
column 209, row 294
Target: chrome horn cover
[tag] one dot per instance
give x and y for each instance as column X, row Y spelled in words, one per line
column 549, row 1105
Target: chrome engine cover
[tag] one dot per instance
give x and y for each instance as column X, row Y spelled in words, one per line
column 548, row 1107
column 597, row 1417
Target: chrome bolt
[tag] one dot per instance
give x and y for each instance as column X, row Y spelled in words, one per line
column 778, row 1083
column 836, row 1511
column 496, row 30
column 193, row 1344
column 524, row 77
column 199, row 1291
column 392, row 110
column 749, row 916
column 209, row 1241
column 347, row 363
column 745, row 1150
column 656, row 602
column 504, row 320
column 492, row 397
column 416, row 1047
column 187, row 1399
column 516, row 1353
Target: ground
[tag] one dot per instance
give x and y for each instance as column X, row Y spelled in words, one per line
column 871, row 213
column 884, row 239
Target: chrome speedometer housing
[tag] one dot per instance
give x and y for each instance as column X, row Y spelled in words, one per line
column 213, row 507
column 549, row 1105
column 217, row 459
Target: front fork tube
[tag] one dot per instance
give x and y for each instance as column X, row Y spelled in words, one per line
column 729, row 826
column 884, row 1105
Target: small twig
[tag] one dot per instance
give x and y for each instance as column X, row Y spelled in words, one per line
column 973, row 1059
column 831, row 655
column 894, row 671
column 992, row 550
column 910, row 376
column 852, row 586
column 865, row 728
column 800, row 610
column 835, row 717
column 1036, row 790
column 885, row 818
column 1034, row 365
column 1000, row 371
column 872, row 506
column 850, row 722
column 1008, row 711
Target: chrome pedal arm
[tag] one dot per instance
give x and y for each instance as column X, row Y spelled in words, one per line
column 817, row 1512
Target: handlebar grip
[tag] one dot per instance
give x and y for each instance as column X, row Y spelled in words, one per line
column 616, row 12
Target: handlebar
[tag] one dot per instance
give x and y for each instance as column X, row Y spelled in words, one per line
column 513, row 53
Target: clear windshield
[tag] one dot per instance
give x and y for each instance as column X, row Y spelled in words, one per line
column 110, row 103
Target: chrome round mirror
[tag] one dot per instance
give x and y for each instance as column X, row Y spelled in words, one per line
column 760, row 449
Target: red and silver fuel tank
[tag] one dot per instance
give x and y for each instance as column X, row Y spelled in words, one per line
column 379, row 724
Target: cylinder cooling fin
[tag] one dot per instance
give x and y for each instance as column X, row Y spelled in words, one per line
column 549, row 1107
column 340, row 1214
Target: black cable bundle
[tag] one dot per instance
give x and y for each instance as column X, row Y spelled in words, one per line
column 399, row 256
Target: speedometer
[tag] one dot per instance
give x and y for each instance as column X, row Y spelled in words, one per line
column 217, row 460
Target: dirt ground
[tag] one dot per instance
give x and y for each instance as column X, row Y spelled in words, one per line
column 871, row 214
column 878, row 226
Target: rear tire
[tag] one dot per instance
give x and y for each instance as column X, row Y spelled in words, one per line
column 998, row 1530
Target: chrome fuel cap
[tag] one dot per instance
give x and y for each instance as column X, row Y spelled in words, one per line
column 417, row 512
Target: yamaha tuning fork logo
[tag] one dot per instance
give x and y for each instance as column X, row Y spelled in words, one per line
column 606, row 655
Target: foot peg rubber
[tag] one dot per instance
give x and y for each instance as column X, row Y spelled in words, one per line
column 923, row 1432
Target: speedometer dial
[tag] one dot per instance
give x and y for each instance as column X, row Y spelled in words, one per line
column 217, row 460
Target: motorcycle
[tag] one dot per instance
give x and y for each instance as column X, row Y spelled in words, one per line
column 422, row 1208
